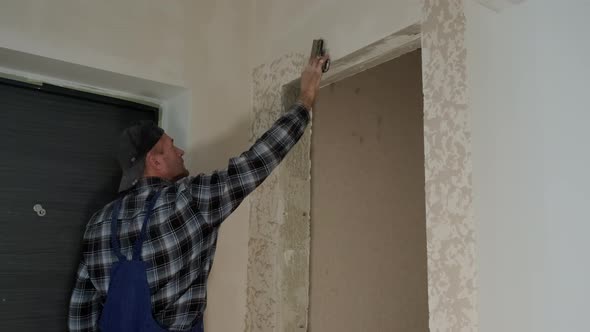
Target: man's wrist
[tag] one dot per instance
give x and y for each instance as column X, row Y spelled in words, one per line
column 306, row 101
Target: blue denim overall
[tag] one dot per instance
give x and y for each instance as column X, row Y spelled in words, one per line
column 128, row 306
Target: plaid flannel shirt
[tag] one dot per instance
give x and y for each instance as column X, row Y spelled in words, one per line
column 182, row 234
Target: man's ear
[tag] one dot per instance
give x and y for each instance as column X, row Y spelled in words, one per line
column 152, row 161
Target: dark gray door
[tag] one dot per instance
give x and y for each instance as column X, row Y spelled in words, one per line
column 58, row 149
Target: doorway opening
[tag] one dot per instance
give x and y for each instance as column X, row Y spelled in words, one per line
column 368, row 260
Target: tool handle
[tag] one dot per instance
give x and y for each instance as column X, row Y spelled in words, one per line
column 318, row 49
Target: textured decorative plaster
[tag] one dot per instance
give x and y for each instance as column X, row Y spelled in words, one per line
column 278, row 263
column 452, row 273
column 278, row 249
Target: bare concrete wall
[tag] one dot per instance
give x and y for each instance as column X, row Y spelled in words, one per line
column 368, row 223
column 278, row 247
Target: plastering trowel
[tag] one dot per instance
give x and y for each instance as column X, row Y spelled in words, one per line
column 318, row 49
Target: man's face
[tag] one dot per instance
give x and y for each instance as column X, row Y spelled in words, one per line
column 170, row 159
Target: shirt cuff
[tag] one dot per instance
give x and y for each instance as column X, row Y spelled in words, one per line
column 302, row 111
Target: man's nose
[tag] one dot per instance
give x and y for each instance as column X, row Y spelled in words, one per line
column 181, row 152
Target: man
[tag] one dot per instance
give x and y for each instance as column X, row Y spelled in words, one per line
column 147, row 256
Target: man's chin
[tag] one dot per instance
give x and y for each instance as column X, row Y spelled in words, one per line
column 184, row 174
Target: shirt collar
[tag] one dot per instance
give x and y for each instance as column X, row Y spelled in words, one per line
column 150, row 183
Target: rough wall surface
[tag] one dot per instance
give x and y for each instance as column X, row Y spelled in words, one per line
column 278, row 249
column 450, row 227
column 278, row 263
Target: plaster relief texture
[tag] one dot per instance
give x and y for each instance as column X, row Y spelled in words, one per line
column 278, row 263
column 278, row 249
column 452, row 274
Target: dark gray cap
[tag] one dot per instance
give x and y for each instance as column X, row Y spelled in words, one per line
column 134, row 144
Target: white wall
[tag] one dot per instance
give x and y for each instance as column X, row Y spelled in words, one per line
column 528, row 79
column 287, row 26
column 138, row 37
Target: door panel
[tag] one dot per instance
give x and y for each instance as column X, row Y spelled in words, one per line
column 58, row 151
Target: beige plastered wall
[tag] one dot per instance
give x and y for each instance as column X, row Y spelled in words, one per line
column 217, row 42
column 275, row 299
column 223, row 55
column 137, row 38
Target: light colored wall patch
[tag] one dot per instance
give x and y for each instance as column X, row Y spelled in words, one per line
column 452, row 273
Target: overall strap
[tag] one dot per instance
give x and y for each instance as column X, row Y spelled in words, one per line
column 115, row 245
column 139, row 242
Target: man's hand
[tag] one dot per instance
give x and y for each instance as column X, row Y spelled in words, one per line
column 310, row 80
